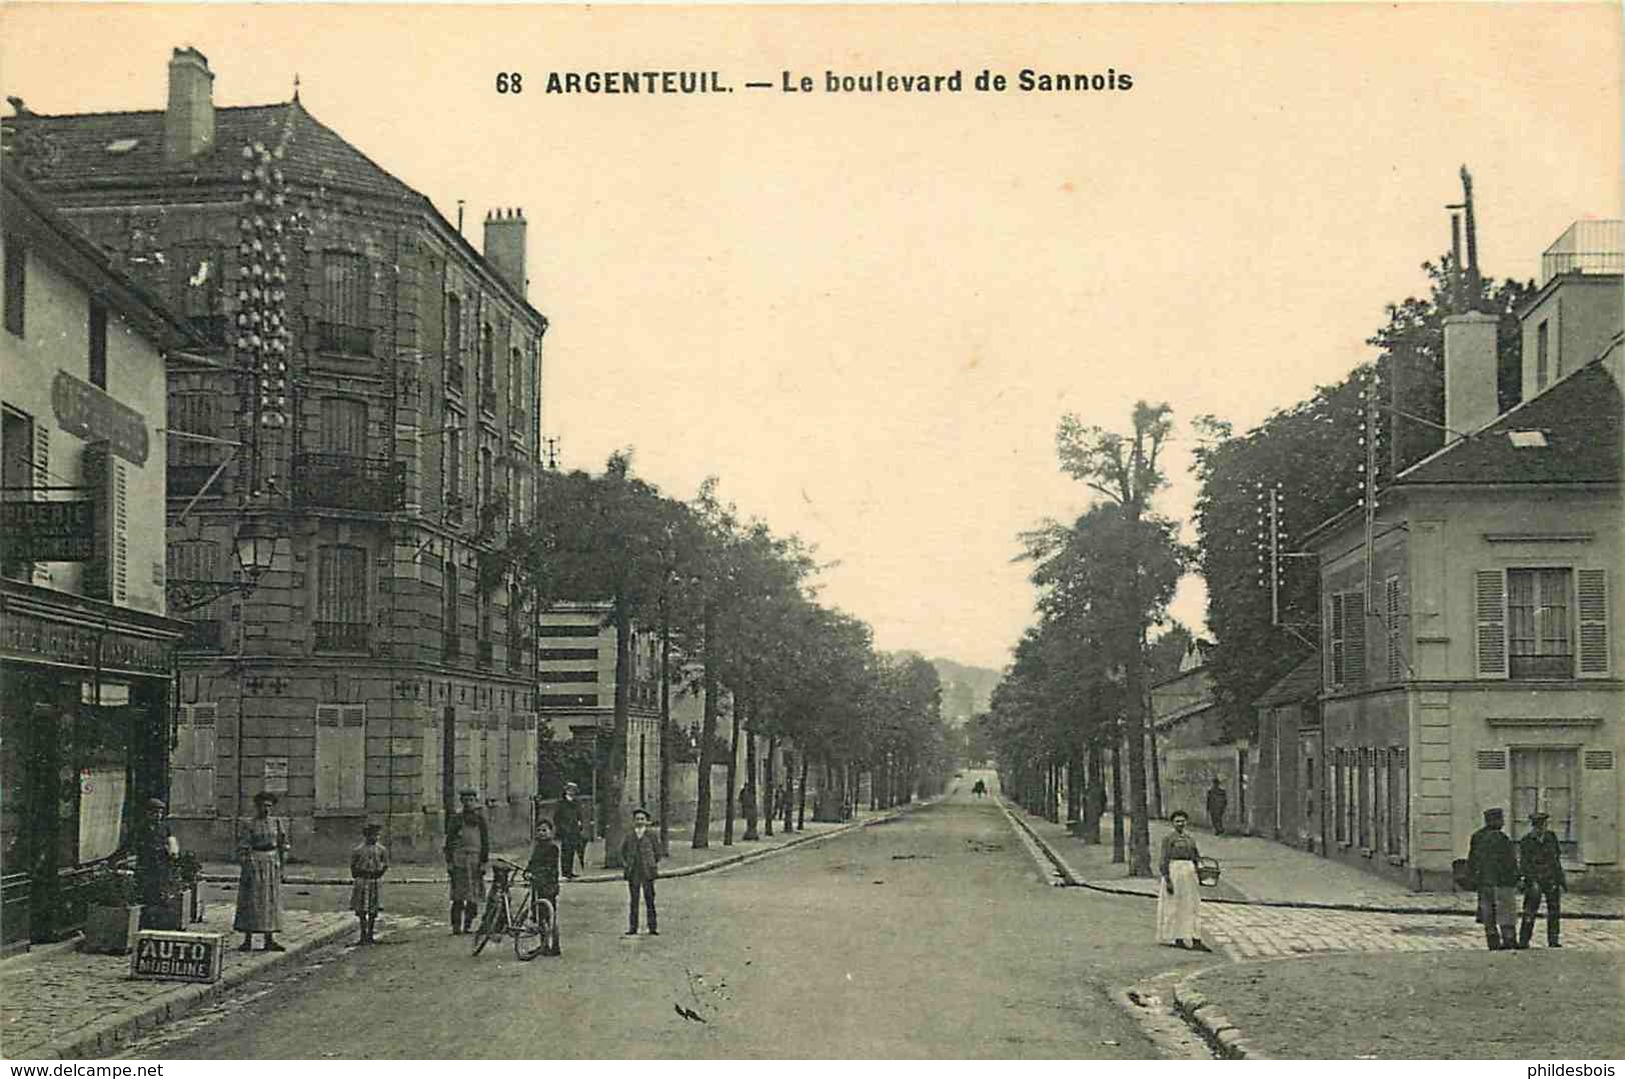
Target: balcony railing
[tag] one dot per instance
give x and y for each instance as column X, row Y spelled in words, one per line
column 484, row 656
column 342, row 636
column 350, row 340
column 343, row 481
column 184, row 481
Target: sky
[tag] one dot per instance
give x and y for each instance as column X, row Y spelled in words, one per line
column 866, row 312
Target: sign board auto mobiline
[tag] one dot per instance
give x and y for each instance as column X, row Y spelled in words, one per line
column 168, row 956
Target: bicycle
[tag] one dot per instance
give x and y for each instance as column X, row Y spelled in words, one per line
column 533, row 923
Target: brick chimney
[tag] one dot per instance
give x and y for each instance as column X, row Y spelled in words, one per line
column 505, row 245
column 1470, row 372
column 189, row 119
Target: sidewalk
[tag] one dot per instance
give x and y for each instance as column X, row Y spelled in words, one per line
column 59, row 1002
column 683, row 861
column 1261, row 871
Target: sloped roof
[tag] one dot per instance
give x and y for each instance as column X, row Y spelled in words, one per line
column 1301, row 683
column 73, row 150
column 1579, row 423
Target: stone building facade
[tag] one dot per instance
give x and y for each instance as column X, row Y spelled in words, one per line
column 371, row 393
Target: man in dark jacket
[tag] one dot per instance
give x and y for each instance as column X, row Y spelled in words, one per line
column 1216, row 802
column 468, row 850
column 1493, row 862
column 640, row 857
column 1541, row 860
column 567, row 825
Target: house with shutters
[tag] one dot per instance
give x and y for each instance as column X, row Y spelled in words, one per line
column 1470, row 644
column 365, row 395
column 86, row 646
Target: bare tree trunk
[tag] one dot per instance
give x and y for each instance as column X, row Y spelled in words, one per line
column 1139, row 804
column 770, row 808
column 733, row 767
column 615, row 771
column 665, row 736
column 753, row 803
column 1156, row 765
column 1093, row 801
column 801, row 808
column 708, row 732
column 1117, row 800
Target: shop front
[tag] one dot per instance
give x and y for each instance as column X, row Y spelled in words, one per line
column 85, row 732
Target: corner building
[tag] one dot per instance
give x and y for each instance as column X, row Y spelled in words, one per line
column 370, row 394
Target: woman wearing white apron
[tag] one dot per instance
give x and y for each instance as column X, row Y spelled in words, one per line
column 1179, row 902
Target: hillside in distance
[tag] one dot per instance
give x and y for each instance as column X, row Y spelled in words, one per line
column 965, row 690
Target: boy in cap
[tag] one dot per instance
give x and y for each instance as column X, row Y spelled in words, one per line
column 1541, row 861
column 544, row 877
column 468, row 849
column 1493, row 862
column 368, row 863
column 640, row 855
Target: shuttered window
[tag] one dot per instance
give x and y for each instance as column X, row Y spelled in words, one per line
column 192, row 765
column 346, row 281
column 1345, row 636
column 1592, row 608
column 344, row 426
column 1393, row 624
column 1489, row 604
column 341, row 757
column 341, row 585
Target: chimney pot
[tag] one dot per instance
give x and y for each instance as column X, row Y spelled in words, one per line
column 189, row 116
column 505, row 245
column 1471, row 368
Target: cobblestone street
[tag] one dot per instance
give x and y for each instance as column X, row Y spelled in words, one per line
column 1258, row 932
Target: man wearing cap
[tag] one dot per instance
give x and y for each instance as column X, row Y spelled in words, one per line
column 468, row 849
column 1493, row 862
column 156, row 851
column 567, row 826
column 640, row 855
column 1542, row 862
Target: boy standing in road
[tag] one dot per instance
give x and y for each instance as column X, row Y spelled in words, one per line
column 640, row 855
column 544, row 877
column 369, row 860
column 567, row 825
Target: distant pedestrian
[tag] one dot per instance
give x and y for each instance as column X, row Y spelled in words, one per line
column 468, row 849
column 567, row 824
column 544, row 878
column 369, row 861
column 1217, row 800
column 640, row 857
column 789, row 799
column 1540, row 860
column 979, row 788
column 1179, row 899
column 1493, row 863
column 261, row 854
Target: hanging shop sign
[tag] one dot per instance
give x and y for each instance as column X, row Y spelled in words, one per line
column 95, row 416
column 49, row 531
column 167, row 956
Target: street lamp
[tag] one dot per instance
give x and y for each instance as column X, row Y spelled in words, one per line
column 256, row 552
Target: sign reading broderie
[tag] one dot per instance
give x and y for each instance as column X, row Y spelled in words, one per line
column 161, row 955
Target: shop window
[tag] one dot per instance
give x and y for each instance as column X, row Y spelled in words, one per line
column 1547, row 780
column 341, row 757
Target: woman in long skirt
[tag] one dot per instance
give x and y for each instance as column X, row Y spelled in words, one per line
column 261, row 852
column 1179, row 900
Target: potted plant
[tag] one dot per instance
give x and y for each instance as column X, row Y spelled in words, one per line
column 112, row 910
column 188, row 876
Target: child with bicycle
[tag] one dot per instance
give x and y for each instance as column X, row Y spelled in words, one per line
column 544, row 877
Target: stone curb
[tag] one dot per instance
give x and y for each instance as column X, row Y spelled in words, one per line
column 616, row 878
column 105, row 1037
column 1075, row 881
column 1214, row 1026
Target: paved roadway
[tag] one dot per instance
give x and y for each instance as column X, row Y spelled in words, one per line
column 931, row 936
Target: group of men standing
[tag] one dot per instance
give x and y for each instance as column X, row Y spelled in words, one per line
column 1500, row 869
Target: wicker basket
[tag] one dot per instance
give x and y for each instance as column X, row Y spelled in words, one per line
column 1207, row 872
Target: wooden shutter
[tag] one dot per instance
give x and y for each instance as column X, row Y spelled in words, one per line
column 1591, row 589
column 329, row 755
column 495, row 786
column 521, row 755
column 38, row 476
column 1334, row 639
column 120, row 517
column 1354, row 637
column 203, row 757
column 353, row 778
column 432, row 746
column 1490, row 616
column 471, row 752
column 1599, row 807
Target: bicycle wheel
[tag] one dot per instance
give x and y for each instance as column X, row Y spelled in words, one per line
column 530, row 930
column 490, row 924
